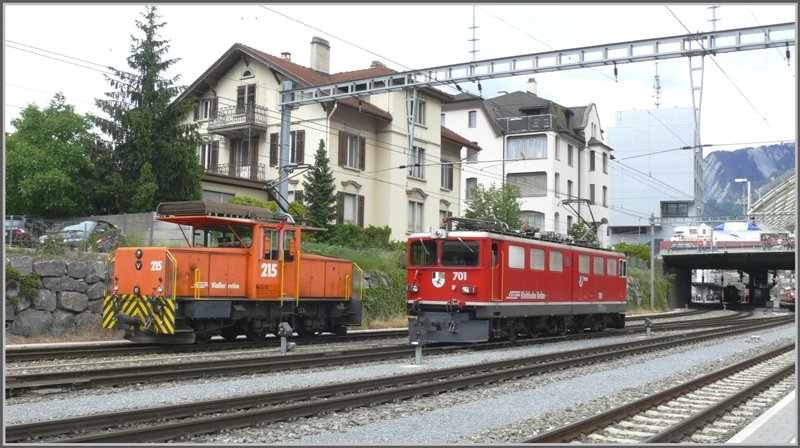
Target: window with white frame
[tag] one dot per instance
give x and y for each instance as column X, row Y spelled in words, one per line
column 570, row 154
column 533, row 219
column 420, row 116
column 530, row 184
column 441, row 119
column 352, row 152
column 605, row 196
column 569, row 189
column 527, row 147
column 591, row 194
column 472, row 184
column 349, row 205
column 205, row 109
column 569, row 223
column 472, row 120
column 416, row 162
column 204, row 154
column 558, row 149
column 447, row 175
column 415, row 214
column 556, row 183
column 591, row 160
column 605, row 163
column 557, row 222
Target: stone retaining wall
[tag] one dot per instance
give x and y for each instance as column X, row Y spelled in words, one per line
column 70, row 297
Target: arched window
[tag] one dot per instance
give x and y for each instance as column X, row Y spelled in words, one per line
column 247, row 73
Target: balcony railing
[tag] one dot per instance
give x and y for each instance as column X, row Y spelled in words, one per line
column 528, row 123
column 238, row 116
column 241, row 171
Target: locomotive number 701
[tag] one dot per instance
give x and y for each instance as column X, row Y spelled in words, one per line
column 459, row 275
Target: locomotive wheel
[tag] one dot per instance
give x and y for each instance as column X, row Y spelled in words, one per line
column 254, row 335
column 230, row 333
column 201, row 338
column 303, row 333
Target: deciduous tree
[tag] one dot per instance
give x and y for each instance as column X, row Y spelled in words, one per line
column 48, row 168
column 494, row 203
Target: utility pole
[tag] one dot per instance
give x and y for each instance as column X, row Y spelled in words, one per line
column 652, row 261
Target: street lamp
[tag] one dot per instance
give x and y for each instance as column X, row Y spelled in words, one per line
column 746, row 203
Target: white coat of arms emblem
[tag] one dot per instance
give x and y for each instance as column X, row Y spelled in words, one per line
column 438, row 279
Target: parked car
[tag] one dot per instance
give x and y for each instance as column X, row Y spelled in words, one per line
column 99, row 235
column 24, row 230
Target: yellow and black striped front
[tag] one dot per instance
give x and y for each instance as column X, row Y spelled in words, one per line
column 135, row 312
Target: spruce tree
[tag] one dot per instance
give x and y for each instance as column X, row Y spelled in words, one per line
column 151, row 153
column 320, row 190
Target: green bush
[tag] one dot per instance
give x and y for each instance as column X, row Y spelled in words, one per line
column 28, row 285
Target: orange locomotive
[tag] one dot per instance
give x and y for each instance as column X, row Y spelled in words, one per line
column 243, row 272
column 482, row 282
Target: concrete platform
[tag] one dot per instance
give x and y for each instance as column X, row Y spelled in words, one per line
column 777, row 426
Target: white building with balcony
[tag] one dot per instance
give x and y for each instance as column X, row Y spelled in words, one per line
column 555, row 154
column 380, row 178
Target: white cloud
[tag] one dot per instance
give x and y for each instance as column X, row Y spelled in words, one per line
column 419, row 36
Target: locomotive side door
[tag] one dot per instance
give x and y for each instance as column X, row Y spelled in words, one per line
column 496, row 270
column 267, row 273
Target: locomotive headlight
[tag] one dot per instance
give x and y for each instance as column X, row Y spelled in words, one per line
column 136, row 290
column 160, row 289
column 413, row 288
column 468, row 290
column 116, row 288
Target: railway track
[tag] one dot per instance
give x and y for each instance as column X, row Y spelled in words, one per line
column 145, row 425
column 703, row 410
column 125, row 348
column 59, row 378
column 118, row 349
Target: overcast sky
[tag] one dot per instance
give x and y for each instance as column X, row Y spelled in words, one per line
column 749, row 97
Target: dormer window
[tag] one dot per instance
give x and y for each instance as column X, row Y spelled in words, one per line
column 247, row 74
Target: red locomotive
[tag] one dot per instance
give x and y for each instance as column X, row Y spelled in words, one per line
column 481, row 282
column 242, row 272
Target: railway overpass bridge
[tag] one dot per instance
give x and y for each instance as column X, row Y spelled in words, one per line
column 757, row 262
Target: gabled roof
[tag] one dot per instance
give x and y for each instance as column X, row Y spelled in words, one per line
column 516, row 104
column 452, row 136
column 303, row 76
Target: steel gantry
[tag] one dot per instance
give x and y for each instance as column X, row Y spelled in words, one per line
column 687, row 45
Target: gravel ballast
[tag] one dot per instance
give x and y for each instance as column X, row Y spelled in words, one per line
column 494, row 414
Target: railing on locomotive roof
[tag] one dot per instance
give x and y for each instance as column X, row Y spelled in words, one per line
column 501, row 228
column 213, row 208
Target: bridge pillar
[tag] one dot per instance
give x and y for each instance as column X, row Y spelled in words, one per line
column 759, row 287
column 681, row 294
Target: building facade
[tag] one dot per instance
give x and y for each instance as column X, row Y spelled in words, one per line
column 382, row 177
column 555, row 154
column 658, row 171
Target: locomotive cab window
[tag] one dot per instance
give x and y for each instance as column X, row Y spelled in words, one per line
column 623, row 268
column 219, row 235
column 612, row 267
column 422, row 253
column 459, row 253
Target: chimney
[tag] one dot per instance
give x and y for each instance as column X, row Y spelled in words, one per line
column 532, row 85
column 320, row 55
column 376, row 64
column 286, row 56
